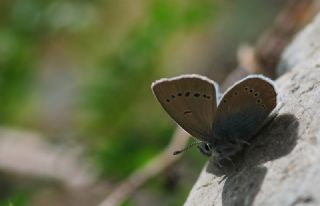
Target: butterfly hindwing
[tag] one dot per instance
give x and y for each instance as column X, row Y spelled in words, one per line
column 191, row 101
column 244, row 107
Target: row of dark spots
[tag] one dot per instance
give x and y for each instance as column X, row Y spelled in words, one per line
column 255, row 94
column 187, row 94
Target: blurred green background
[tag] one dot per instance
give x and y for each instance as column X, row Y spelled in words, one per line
column 79, row 73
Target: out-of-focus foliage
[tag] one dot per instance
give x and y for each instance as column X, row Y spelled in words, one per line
column 112, row 54
column 118, row 78
column 120, row 93
column 18, row 199
column 81, row 70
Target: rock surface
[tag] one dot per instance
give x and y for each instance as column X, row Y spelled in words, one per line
column 281, row 166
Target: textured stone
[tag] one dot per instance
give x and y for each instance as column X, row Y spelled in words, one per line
column 281, row 166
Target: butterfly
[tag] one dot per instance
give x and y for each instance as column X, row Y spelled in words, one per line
column 221, row 125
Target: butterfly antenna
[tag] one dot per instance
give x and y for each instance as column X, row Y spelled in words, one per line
column 186, row 148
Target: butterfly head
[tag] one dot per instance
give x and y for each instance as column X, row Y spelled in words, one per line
column 216, row 151
column 204, row 148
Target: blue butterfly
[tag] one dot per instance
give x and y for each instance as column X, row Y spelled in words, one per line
column 223, row 125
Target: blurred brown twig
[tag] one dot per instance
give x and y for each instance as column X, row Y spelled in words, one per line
column 27, row 153
column 151, row 169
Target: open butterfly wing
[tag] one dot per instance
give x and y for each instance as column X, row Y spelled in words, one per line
column 244, row 107
column 191, row 101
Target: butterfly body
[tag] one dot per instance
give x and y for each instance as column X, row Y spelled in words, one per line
column 222, row 125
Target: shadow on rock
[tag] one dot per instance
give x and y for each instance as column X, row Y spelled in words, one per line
column 244, row 174
column 242, row 188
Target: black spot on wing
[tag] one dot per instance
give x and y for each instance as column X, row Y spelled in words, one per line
column 187, row 112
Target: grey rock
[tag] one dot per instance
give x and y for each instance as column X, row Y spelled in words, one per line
column 281, row 166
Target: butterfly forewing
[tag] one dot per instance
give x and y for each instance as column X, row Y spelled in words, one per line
column 191, row 101
column 243, row 108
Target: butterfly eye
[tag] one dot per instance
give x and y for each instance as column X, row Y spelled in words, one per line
column 256, row 94
column 205, row 149
column 251, row 90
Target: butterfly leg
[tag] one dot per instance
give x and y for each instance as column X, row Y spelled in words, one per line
column 218, row 163
column 223, row 178
column 228, row 158
column 245, row 142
